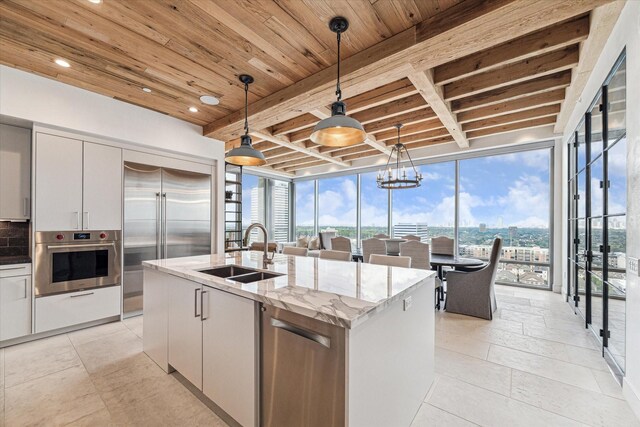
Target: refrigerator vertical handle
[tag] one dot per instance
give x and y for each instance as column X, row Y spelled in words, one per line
column 158, row 222
column 164, row 225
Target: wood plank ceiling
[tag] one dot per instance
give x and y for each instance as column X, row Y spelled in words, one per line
column 513, row 77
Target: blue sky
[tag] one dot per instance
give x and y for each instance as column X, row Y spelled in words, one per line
column 510, row 189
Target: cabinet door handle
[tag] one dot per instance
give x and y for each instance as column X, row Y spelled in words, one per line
column 77, row 220
column 25, row 288
column 85, row 226
column 10, row 268
column 81, row 295
column 202, row 305
column 26, row 207
column 195, row 304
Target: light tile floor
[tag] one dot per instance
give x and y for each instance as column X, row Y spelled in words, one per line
column 533, row 365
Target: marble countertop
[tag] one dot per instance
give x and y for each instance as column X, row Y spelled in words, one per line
column 337, row 292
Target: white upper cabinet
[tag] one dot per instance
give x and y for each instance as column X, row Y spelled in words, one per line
column 58, row 183
column 78, row 185
column 102, row 182
column 15, row 173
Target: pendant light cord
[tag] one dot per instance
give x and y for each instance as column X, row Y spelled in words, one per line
column 338, row 91
column 246, row 109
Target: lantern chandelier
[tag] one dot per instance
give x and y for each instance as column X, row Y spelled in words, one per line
column 339, row 130
column 245, row 154
column 398, row 179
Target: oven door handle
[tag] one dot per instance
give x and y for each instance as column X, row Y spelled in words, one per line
column 86, row 245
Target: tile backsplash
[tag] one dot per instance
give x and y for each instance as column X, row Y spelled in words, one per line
column 14, row 238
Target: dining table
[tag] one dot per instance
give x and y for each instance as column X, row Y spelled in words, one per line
column 438, row 262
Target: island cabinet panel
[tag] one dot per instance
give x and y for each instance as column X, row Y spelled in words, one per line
column 229, row 354
column 156, row 316
column 185, row 329
column 393, row 351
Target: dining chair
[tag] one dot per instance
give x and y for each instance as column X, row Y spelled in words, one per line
column 325, row 239
column 259, row 246
column 372, row 246
column 335, row 255
column 442, row 245
column 341, row 243
column 418, row 252
column 291, row 250
column 380, row 236
column 473, row 293
column 391, row 261
column 411, row 237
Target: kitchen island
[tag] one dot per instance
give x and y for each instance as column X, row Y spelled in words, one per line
column 305, row 341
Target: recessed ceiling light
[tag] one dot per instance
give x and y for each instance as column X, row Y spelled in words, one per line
column 193, row 109
column 146, row 89
column 62, row 63
column 209, row 100
column 96, row 1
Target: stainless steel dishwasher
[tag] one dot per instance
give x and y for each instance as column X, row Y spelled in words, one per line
column 303, row 371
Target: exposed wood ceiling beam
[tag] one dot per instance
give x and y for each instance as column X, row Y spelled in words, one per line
column 281, row 140
column 362, row 155
column 515, row 91
column 544, row 121
column 288, row 159
column 410, row 129
column 547, row 98
column 278, row 152
column 421, row 144
column 534, row 44
column 603, row 20
column 528, row 69
column 423, row 81
column 436, row 133
column 303, row 166
column 373, row 98
column 426, row 115
column 268, row 168
column 466, row 28
column 295, row 124
column 549, row 110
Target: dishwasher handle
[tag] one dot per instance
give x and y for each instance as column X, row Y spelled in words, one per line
column 312, row 336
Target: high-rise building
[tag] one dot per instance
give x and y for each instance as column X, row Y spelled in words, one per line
column 419, row 230
column 483, row 227
column 280, row 211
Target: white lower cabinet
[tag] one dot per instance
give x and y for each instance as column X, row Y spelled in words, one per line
column 74, row 308
column 15, row 302
column 212, row 340
column 185, row 330
column 229, row 353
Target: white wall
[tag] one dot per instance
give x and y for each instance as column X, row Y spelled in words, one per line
column 626, row 33
column 51, row 103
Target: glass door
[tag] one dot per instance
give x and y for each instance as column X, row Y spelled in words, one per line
column 597, row 218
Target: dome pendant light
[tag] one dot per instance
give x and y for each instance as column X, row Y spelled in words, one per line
column 245, row 154
column 338, row 130
column 397, row 179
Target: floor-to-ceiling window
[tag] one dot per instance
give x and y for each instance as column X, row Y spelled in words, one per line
column 253, row 204
column 278, row 216
column 374, row 212
column 429, row 210
column 597, row 216
column 305, row 208
column 337, row 205
column 508, row 196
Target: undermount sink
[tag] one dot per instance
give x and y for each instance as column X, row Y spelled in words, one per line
column 240, row 274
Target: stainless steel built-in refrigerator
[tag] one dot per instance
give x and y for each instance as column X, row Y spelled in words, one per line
column 167, row 214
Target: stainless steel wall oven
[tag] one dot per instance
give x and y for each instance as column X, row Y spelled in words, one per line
column 68, row 261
